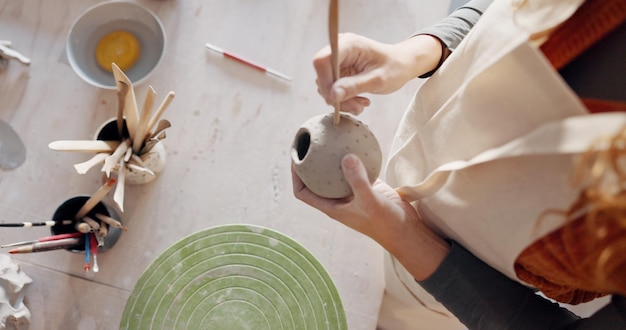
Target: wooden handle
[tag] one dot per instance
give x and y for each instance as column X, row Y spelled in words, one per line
column 130, row 105
column 333, row 34
column 95, row 146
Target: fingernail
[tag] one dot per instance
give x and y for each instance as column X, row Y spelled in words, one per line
column 340, row 93
column 350, row 161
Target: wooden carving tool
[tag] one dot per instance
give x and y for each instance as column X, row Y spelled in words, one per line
column 95, row 146
column 111, row 161
column 95, row 199
column 333, row 34
column 146, row 111
column 122, row 92
column 159, row 112
column 130, row 104
column 118, row 195
column 83, row 167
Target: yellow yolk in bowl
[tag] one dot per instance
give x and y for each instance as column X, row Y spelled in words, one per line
column 119, row 47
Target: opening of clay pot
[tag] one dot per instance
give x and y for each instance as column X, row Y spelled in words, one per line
column 154, row 158
column 109, row 131
column 303, row 142
column 68, row 210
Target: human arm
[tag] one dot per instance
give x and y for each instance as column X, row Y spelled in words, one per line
column 368, row 66
column 478, row 295
column 380, row 213
column 483, row 298
column 451, row 30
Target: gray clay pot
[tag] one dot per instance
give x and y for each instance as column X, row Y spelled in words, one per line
column 319, row 147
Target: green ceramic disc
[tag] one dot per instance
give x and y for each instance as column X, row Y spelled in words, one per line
column 235, row 277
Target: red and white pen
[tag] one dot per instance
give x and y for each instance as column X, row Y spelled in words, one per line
column 247, row 62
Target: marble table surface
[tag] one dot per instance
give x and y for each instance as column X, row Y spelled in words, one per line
column 228, row 154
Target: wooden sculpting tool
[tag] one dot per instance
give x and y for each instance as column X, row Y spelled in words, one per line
column 122, row 91
column 111, row 161
column 83, row 167
column 118, row 194
column 146, row 111
column 44, row 239
column 127, row 155
column 333, row 34
column 95, row 199
column 159, row 112
column 130, row 102
column 6, row 52
column 92, row 223
column 110, row 221
column 161, row 126
column 47, row 246
column 83, row 228
column 152, row 142
column 95, row 146
column 48, row 223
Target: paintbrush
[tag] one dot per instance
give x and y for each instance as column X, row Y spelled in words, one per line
column 47, row 246
column 86, row 267
column 94, row 252
column 48, row 223
column 44, row 239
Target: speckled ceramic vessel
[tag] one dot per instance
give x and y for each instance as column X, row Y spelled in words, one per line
column 154, row 160
column 319, row 147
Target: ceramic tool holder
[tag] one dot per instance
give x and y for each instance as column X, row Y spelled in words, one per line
column 153, row 159
column 68, row 210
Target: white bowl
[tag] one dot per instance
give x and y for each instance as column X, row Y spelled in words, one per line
column 99, row 20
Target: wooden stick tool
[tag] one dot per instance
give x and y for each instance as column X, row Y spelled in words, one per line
column 333, row 34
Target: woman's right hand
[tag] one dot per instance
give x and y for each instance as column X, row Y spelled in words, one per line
column 368, row 66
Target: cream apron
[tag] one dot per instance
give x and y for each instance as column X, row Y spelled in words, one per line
column 487, row 145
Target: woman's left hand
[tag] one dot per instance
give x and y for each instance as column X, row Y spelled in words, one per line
column 379, row 212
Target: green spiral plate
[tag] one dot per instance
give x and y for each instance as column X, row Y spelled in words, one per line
column 235, row 277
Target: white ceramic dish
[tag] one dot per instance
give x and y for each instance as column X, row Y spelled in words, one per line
column 99, row 20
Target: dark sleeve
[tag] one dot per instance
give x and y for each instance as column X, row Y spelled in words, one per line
column 483, row 298
column 453, row 28
column 611, row 316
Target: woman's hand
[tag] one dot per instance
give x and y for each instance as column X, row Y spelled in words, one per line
column 380, row 213
column 368, row 66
